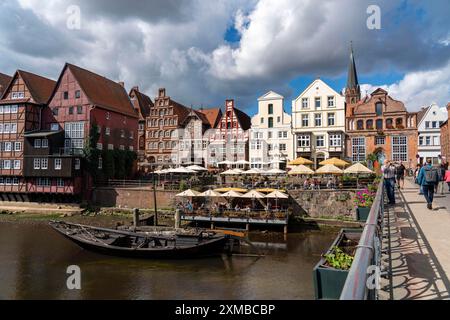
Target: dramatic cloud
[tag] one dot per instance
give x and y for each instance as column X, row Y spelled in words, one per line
column 182, row 45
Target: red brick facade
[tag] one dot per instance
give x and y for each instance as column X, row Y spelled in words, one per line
column 445, row 137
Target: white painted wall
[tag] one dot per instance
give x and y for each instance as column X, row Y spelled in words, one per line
column 429, row 142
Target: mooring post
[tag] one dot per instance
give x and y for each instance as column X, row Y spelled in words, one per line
column 135, row 217
column 177, row 219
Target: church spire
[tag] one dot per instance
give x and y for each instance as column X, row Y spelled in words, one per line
column 352, row 91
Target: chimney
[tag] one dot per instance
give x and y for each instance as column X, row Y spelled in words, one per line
column 122, row 84
column 135, row 88
column 162, row 92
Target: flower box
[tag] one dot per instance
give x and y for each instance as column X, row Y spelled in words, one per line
column 329, row 281
column 362, row 213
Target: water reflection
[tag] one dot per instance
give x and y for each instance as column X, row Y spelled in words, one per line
column 34, row 259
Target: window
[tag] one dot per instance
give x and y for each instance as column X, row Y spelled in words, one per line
column 70, row 110
column 60, row 182
column 379, row 124
column 360, row 125
column 358, row 149
column 8, row 146
column 305, row 120
column 141, row 126
column 107, row 131
column 58, row 164
column 66, row 95
column 282, row 146
column 122, row 133
column 77, row 164
column 55, row 111
column 99, row 146
column 434, row 124
column 108, row 116
column 17, row 146
column 54, row 127
column 379, row 108
column 44, row 143
column 37, row 164
column 79, row 109
column 16, row 164
column 77, row 94
column 6, row 164
column 399, row 148
column 330, row 101
column 317, row 102
column 420, row 141
column 270, row 109
column 318, row 120
column 13, row 128
column 436, row 141
column 379, row 140
column 269, row 134
column 304, row 103
column 15, row 181
column 389, row 124
column 369, row 124
column 37, row 143
column 14, row 108
column 399, row 123
column 17, row 95
column 44, row 163
column 131, row 134
column 131, row 148
column 427, row 140
column 100, row 163
column 270, row 120
column 335, row 140
column 282, row 134
column 320, row 141
column 121, row 147
column 110, row 146
column 331, row 119
column 43, row 182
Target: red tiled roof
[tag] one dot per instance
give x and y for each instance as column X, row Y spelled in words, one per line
column 143, row 103
column 103, row 92
column 212, row 116
column 243, row 118
column 421, row 114
column 40, row 88
column 4, row 81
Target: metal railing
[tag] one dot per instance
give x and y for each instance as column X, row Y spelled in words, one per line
column 368, row 253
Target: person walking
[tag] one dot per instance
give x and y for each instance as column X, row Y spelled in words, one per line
column 388, row 170
column 447, row 178
column 441, row 185
column 401, row 175
column 428, row 178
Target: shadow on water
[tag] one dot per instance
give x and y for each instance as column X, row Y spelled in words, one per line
column 35, row 258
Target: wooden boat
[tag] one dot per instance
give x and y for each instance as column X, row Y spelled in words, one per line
column 150, row 245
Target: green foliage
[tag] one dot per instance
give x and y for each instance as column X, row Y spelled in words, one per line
column 338, row 259
column 183, row 185
column 91, row 153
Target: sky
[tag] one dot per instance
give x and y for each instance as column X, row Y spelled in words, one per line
column 204, row 52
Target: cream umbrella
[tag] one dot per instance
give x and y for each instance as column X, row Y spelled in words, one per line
column 252, row 171
column 253, row 194
column 334, row 161
column 181, row 170
column 238, row 170
column 329, row 169
column 276, row 195
column 231, row 194
column 358, row 168
column 196, row 168
column 210, row 194
column 301, row 169
column 274, row 172
column 230, row 172
column 188, row 193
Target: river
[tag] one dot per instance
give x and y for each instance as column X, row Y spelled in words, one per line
column 34, row 259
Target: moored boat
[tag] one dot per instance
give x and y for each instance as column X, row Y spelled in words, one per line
column 147, row 245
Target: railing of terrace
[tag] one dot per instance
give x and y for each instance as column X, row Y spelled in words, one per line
column 368, row 253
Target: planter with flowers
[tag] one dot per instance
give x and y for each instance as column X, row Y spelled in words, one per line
column 364, row 199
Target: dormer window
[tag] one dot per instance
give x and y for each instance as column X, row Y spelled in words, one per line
column 379, row 108
column 17, row 95
column 108, row 116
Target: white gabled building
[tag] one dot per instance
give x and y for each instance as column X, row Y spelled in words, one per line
column 429, row 120
column 318, row 121
column 271, row 139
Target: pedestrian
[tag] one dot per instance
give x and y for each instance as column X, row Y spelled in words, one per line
column 388, row 170
column 401, row 175
column 447, row 178
column 441, row 184
column 428, row 178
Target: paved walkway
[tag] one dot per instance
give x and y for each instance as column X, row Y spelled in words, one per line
column 420, row 240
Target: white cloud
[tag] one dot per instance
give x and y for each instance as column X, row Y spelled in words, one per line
column 418, row 89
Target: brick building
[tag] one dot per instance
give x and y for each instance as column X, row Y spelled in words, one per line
column 445, row 137
column 378, row 125
column 4, row 81
column 230, row 139
column 142, row 104
column 21, row 105
column 166, row 117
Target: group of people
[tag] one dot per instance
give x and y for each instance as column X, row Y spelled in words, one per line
column 430, row 178
column 315, row 183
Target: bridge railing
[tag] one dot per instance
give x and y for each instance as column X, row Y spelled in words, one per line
column 368, row 253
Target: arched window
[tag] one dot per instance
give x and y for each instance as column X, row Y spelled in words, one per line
column 167, row 145
column 389, row 124
column 360, row 125
column 379, row 124
column 161, row 122
column 399, row 123
column 165, row 122
column 161, row 145
column 167, row 133
column 379, row 108
column 369, row 124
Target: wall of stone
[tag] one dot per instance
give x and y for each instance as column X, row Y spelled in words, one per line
column 324, row 203
column 132, row 198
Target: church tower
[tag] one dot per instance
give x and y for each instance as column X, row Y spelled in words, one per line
column 352, row 91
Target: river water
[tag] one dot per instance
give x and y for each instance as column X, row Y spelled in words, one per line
column 34, row 259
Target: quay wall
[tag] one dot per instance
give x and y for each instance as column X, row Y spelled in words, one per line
column 336, row 204
column 132, row 198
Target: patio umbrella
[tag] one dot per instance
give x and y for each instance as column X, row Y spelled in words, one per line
column 242, row 162
column 276, row 195
column 300, row 161
column 358, row 168
column 231, row 194
column 253, row 194
column 329, row 169
column 334, row 161
column 188, row 193
column 230, row 172
column 274, row 172
column 230, row 189
column 301, row 169
column 181, row 170
column 252, row 171
column 238, row 170
column 210, row 194
column 196, row 168
column 227, row 162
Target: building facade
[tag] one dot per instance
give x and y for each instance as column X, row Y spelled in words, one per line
column 429, row 120
column 142, row 104
column 271, row 138
column 166, row 118
column 318, row 123
column 4, row 81
column 445, row 137
column 229, row 140
column 21, row 106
